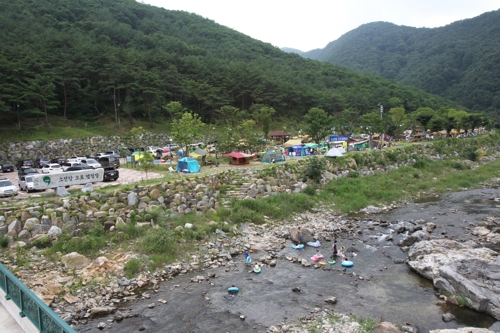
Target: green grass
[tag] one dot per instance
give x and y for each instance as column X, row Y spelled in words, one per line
column 132, row 267
column 280, row 206
column 352, row 194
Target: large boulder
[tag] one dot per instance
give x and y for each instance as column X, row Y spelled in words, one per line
column 463, row 330
column 132, row 199
column 75, row 260
column 307, row 235
column 415, row 237
column 476, row 280
column 385, row 327
column 469, row 273
column 426, row 257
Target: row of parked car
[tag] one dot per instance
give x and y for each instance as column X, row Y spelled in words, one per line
column 26, row 168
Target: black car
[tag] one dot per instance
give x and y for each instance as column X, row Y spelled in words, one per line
column 24, row 170
column 25, row 163
column 79, row 168
column 109, row 161
column 7, row 167
column 58, row 160
column 41, row 161
column 111, row 173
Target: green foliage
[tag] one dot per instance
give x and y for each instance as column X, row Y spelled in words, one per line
column 132, row 267
column 4, row 241
column 77, row 61
column 310, row 190
column 136, row 131
column 43, row 242
column 450, row 64
column 471, row 153
column 280, row 206
column 158, row 241
column 318, row 124
column 462, row 301
column 314, row 169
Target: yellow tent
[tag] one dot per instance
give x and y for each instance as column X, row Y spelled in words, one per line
column 294, row 142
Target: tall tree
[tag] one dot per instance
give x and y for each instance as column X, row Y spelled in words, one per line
column 187, row 129
column 318, row 124
column 263, row 114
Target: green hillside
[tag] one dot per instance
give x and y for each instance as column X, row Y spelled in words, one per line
column 124, row 60
column 460, row 61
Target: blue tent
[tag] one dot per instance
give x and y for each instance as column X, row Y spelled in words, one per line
column 298, row 150
column 189, row 164
column 271, row 155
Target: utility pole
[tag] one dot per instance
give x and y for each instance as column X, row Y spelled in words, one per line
column 382, row 134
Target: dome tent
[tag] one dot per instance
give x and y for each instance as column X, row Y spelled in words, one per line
column 271, row 155
column 189, row 164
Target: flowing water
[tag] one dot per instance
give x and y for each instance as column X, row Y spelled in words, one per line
column 387, row 291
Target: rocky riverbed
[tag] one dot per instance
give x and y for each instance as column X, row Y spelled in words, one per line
column 192, row 296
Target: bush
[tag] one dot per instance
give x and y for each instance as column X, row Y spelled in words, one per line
column 132, row 267
column 471, row 153
column 4, row 241
column 310, row 190
column 314, row 169
column 42, row 243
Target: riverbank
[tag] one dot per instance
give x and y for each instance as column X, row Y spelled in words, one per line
column 81, row 293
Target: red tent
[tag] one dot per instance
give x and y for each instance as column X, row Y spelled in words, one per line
column 238, row 158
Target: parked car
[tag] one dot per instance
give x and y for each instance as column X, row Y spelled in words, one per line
column 23, row 171
column 79, row 167
column 67, row 165
column 7, row 167
column 109, row 161
column 58, row 160
column 26, row 183
column 110, row 173
column 7, row 188
column 52, row 168
column 41, row 161
column 114, row 153
column 92, row 163
column 25, row 162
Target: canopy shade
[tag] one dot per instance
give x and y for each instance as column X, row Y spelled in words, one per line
column 237, row 155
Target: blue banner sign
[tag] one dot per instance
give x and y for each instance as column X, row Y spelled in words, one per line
column 334, row 138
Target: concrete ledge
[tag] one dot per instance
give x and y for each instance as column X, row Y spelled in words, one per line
column 23, row 323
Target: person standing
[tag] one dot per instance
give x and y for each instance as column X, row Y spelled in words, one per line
column 334, row 249
column 299, row 234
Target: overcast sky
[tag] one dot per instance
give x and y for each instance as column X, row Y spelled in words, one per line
column 307, row 25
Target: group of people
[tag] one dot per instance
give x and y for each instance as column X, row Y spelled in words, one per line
column 336, row 252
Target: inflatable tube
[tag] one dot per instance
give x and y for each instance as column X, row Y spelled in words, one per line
column 322, row 263
column 314, row 244
column 332, row 262
column 257, row 270
column 316, row 258
column 249, row 259
column 233, row 290
column 297, row 247
column 347, row 263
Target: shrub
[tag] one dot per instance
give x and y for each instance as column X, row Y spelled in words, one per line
column 314, row 169
column 132, row 267
column 310, row 190
column 42, row 243
column 471, row 153
column 4, row 241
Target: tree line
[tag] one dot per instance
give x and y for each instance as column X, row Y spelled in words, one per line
column 126, row 60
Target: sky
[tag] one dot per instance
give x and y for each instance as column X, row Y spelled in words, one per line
column 308, row 25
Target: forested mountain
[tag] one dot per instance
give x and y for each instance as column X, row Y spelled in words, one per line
column 460, row 61
column 121, row 58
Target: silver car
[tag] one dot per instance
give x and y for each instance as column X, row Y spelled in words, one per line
column 7, row 188
column 26, row 184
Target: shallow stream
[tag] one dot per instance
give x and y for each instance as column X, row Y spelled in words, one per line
column 388, row 291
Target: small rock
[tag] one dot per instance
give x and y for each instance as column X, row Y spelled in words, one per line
column 152, row 305
column 448, row 317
